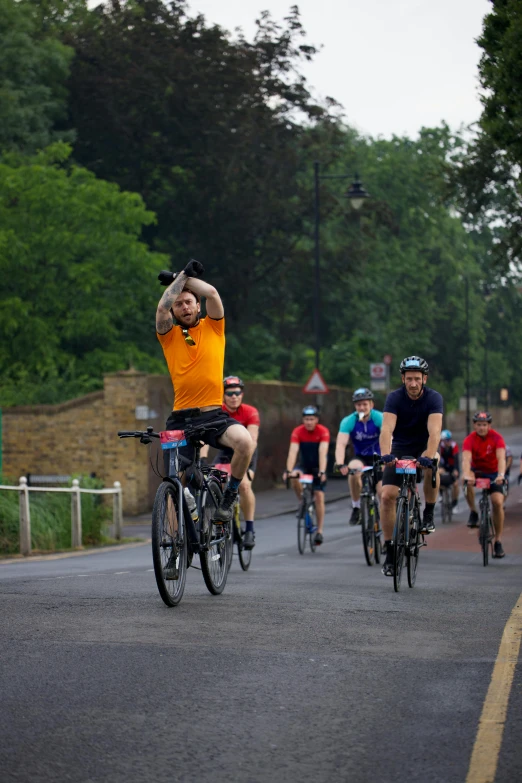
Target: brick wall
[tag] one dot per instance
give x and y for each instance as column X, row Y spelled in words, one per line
column 79, row 436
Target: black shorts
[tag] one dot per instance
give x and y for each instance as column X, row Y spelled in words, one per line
column 390, row 477
column 491, row 476
column 214, row 423
column 225, row 458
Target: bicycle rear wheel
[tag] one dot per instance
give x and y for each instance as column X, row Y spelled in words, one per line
column 301, row 528
column 377, row 533
column 368, row 531
column 312, row 530
column 413, row 550
column 169, row 545
column 399, row 542
column 214, row 558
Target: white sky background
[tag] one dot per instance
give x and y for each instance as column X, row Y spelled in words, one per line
column 395, row 65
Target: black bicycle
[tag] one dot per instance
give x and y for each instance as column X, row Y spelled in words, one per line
column 486, row 528
column 407, row 536
column 177, row 535
column 370, row 519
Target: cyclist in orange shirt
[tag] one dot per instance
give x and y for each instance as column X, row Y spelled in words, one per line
column 194, row 349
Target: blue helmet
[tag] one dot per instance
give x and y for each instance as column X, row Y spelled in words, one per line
column 445, row 435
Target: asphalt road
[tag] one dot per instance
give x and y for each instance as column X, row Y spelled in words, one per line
column 307, row 668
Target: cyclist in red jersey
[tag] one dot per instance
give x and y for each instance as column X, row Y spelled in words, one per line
column 484, row 455
column 248, row 416
column 310, row 442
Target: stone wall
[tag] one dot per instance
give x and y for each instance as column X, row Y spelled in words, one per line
column 80, row 436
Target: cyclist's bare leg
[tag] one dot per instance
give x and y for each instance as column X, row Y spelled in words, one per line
column 238, row 438
column 319, row 509
column 497, row 502
column 388, row 510
column 455, row 490
column 355, row 481
column 296, row 486
column 430, row 493
column 247, row 497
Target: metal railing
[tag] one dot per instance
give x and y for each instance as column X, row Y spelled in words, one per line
column 76, row 510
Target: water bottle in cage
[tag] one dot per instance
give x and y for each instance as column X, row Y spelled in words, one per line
column 191, row 503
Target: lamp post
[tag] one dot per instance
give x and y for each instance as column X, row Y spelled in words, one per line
column 466, row 303
column 356, row 195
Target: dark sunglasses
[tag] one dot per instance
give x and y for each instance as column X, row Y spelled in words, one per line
column 233, row 393
column 188, row 339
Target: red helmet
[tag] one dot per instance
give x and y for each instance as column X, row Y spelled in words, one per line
column 482, row 416
column 231, row 381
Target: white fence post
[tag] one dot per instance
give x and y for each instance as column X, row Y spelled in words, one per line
column 76, row 516
column 117, row 511
column 25, row 518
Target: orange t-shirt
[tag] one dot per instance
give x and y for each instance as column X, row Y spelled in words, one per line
column 196, row 370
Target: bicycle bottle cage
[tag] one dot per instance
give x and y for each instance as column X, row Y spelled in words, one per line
column 406, row 466
column 483, row 483
column 306, row 479
column 171, row 439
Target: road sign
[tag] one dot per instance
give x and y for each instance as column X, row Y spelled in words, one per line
column 378, row 385
column 315, row 384
column 378, row 371
column 387, row 359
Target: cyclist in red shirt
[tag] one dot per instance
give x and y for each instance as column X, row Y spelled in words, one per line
column 248, row 416
column 310, row 442
column 484, row 455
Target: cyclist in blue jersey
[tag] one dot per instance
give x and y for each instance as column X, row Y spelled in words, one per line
column 363, row 428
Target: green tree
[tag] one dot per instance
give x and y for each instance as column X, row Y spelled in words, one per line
column 34, row 67
column 77, row 296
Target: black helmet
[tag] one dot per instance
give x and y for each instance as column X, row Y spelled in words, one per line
column 362, row 394
column 414, row 363
column 231, row 381
column 482, row 416
column 310, row 410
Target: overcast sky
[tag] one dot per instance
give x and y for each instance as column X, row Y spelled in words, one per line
column 395, row 65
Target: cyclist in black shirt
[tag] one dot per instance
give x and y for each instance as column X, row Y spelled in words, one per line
column 413, row 418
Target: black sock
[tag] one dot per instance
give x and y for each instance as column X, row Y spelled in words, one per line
column 233, row 483
column 429, row 506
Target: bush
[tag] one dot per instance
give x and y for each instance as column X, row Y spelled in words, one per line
column 51, row 518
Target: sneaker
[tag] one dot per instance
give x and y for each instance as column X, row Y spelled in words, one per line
column 428, row 523
column 388, row 566
column 497, row 550
column 473, row 519
column 225, row 511
column 170, row 572
column 318, row 540
column 249, row 540
column 356, row 516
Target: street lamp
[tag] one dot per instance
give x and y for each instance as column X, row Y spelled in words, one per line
column 356, row 195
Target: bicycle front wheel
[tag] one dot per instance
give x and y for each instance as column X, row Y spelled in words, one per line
column 368, row 531
column 377, row 533
column 214, row 557
column 234, row 534
column 484, row 533
column 399, row 542
column 312, row 525
column 245, row 555
column 301, row 529
column 169, row 544
column 447, row 506
column 413, row 547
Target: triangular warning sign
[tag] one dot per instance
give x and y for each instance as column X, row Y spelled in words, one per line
column 315, row 384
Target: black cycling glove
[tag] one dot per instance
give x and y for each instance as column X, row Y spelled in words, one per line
column 166, row 278
column 387, row 458
column 194, row 268
column 425, row 462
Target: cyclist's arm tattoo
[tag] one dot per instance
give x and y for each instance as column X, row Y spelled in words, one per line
column 341, row 443
column 323, row 456
column 389, row 420
column 164, row 319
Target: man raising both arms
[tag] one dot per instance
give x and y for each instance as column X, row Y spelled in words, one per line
column 413, row 417
column 364, row 429
column 194, row 349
